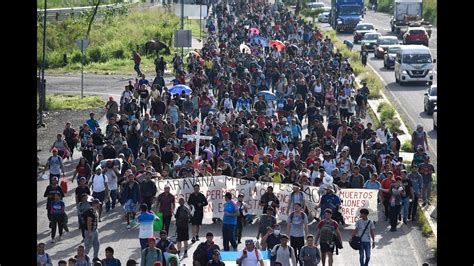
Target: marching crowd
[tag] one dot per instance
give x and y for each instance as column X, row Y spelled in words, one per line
column 255, row 85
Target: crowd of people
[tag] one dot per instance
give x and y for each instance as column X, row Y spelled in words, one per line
column 255, row 93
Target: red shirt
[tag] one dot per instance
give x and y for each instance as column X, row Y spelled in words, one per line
column 323, row 222
column 81, row 170
column 386, row 183
column 165, row 203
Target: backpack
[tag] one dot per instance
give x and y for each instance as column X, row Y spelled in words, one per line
column 327, row 232
column 277, row 246
column 184, row 216
column 94, row 176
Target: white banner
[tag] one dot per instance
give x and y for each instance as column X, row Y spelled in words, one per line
column 215, row 187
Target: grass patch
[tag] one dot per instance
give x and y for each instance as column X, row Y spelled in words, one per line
column 387, row 112
column 423, row 223
column 68, row 102
column 381, row 106
column 406, row 146
column 72, row 3
column 112, row 40
column 193, row 25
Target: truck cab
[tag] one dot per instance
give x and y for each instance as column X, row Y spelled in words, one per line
column 414, row 63
column 408, row 13
column 346, row 14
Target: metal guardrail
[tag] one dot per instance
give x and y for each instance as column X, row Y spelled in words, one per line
column 82, row 8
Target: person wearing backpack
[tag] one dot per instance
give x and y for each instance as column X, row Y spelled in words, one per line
column 54, row 165
column 204, row 251
column 109, row 258
column 283, row 254
column 250, row 256
column 297, row 227
column 183, row 216
column 151, row 254
column 166, row 246
column 130, row 197
column 309, row 254
column 362, row 228
column 43, row 258
column 328, row 230
column 100, row 188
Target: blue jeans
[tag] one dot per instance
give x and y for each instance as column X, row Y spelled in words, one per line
column 364, row 248
column 405, row 208
column 137, row 68
column 112, row 201
column 228, row 235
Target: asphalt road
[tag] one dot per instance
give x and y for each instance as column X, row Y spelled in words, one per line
column 408, row 99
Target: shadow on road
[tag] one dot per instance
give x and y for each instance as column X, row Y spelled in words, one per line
column 407, row 87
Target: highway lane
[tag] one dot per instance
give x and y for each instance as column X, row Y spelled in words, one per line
column 407, row 99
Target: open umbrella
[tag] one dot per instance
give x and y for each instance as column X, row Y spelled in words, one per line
column 254, row 30
column 278, row 44
column 269, row 96
column 260, row 40
column 178, row 89
column 244, row 49
column 194, row 53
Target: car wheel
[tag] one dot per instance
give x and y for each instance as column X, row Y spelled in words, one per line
column 430, row 83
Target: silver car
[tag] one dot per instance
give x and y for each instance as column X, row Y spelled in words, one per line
column 323, row 17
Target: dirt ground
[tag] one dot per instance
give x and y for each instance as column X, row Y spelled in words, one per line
column 55, row 122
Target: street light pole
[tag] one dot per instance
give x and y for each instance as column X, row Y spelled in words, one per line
column 43, row 64
column 182, row 27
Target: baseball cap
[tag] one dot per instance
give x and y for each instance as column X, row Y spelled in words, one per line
column 151, row 239
column 249, row 242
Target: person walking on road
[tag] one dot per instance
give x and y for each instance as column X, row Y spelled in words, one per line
column 165, row 203
column 396, row 192
column 250, row 256
column 271, row 238
column 183, row 216
column 49, row 193
column 43, row 258
column 284, row 254
column 426, row 170
column 130, row 198
column 367, row 228
column 57, row 217
column 82, row 259
column 148, row 190
column 145, row 218
column 109, row 258
column 269, row 199
column 100, row 188
column 419, row 138
column 417, row 184
column 55, row 165
column 151, row 254
column 328, row 230
column 309, row 254
column 297, row 228
column 408, row 197
column 241, row 219
column 231, row 212
column 266, row 220
column 137, row 59
column 364, row 54
column 203, row 252
column 197, row 201
column 92, row 234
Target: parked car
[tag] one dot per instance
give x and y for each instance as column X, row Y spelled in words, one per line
column 382, row 45
column 361, row 29
column 370, row 39
column 431, row 97
column 389, row 56
column 416, row 35
column 435, row 118
column 315, row 5
column 324, row 17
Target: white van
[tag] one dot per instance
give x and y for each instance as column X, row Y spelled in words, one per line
column 414, row 63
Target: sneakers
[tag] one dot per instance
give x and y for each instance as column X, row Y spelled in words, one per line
column 193, row 240
column 60, row 238
column 52, row 240
column 197, row 238
column 129, row 226
column 66, row 228
column 185, row 255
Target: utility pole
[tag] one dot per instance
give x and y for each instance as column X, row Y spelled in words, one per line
column 43, row 65
column 182, row 27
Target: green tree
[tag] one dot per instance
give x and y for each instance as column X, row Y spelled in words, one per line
column 313, row 13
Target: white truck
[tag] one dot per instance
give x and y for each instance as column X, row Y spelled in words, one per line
column 408, row 13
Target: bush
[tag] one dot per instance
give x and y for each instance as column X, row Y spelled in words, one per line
column 95, row 55
column 76, row 58
column 406, row 146
column 118, row 54
column 381, row 106
column 394, row 125
column 387, row 112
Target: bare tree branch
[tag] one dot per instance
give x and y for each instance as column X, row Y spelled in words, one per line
column 92, row 18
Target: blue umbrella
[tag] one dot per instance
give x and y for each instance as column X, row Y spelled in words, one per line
column 260, row 40
column 178, row 89
column 269, row 96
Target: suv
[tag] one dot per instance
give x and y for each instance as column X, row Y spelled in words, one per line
column 361, row 29
column 382, row 45
column 416, row 35
column 370, row 39
column 431, row 97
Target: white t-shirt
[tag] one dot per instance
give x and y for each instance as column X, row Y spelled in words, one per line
column 318, row 89
column 146, row 220
column 111, row 179
column 251, row 259
column 98, row 184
